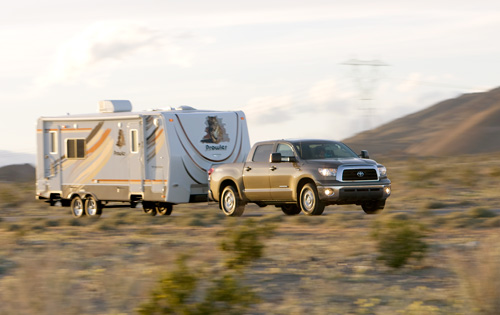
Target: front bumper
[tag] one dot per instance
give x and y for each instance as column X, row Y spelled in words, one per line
column 353, row 193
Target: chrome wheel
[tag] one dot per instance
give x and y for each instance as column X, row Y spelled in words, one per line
column 77, row 208
column 309, row 200
column 230, row 202
column 93, row 207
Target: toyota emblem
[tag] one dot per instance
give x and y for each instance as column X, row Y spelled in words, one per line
column 360, row 174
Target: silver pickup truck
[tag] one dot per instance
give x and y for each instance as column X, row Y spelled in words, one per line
column 300, row 175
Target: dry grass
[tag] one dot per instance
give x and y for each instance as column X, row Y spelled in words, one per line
column 51, row 263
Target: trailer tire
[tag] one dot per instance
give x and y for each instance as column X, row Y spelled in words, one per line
column 231, row 203
column 77, row 207
column 93, row 207
column 165, row 209
column 149, row 208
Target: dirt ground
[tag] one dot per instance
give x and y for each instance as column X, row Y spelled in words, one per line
column 51, row 263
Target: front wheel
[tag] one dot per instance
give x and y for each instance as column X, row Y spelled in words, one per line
column 93, row 207
column 309, row 200
column 77, row 207
column 164, row 210
column 230, row 202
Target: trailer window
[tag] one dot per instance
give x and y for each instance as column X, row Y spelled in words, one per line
column 53, row 141
column 75, row 148
column 134, row 141
column 262, row 153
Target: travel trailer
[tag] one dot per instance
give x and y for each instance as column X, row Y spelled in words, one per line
column 158, row 158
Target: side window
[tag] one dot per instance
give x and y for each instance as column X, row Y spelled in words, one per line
column 53, row 141
column 75, row 148
column 134, row 141
column 285, row 150
column 262, row 153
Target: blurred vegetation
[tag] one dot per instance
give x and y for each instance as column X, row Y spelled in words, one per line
column 273, row 264
column 226, row 292
column 399, row 240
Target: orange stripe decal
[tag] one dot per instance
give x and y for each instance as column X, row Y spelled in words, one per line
column 98, row 144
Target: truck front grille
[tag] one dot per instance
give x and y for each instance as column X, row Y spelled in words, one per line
column 359, row 174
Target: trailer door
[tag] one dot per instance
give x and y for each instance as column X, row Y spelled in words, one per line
column 136, row 157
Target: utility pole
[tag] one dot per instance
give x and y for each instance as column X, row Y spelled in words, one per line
column 366, row 74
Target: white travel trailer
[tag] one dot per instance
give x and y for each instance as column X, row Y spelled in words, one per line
column 158, row 157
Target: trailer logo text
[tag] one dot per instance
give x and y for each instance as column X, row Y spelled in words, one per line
column 215, row 133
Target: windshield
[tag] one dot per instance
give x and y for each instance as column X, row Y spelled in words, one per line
column 322, row 150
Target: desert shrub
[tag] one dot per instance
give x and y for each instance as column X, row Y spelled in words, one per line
column 183, row 291
column 479, row 276
column 434, row 204
column 481, row 212
column 399, row 241
column 174, row 293
column 244, row 242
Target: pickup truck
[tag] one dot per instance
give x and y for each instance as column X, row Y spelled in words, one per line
column 300, row 175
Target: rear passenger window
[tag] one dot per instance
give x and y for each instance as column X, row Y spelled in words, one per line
column 262, row 153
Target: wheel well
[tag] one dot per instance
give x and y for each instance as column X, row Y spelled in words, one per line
column 301, row 184
column 226, row 183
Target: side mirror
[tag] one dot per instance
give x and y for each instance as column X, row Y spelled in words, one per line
column 289, row 159
column 275, row 158
column 364, row 154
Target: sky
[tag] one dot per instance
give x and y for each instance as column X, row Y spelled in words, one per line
column 298, row 69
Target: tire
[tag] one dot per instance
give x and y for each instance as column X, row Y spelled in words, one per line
column 149, row 208
column 309, row 200
column 77, row 207
column 290, row 209
column 372, row 207
column 230, row 202
column 93, row 207
column 165, row 210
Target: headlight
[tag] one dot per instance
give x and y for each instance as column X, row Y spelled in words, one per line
column 382, row 171
column 328, row 171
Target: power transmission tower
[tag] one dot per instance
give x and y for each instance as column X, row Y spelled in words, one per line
column 366, row 74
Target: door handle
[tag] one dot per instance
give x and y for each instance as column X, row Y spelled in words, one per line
column 272, row 168
column 248, row 168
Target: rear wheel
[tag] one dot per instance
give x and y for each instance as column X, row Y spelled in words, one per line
column 164, row 209
column 290, row 209
column 230, row 202
column 93, row 207
column 77, row 207
column 309, row 200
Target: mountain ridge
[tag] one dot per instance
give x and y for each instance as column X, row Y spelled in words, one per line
column 468, row 124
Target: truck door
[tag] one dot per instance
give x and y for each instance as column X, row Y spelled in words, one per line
column 136, row 157
column 256, row 174
column 281, row 177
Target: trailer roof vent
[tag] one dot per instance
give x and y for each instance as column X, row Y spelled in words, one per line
column 185, row 107
column 115, row 106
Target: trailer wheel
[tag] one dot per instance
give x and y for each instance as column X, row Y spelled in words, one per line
column 165, row 209
column 149, row 208
column 77, row 207
column 93, row 207
column 231, row 203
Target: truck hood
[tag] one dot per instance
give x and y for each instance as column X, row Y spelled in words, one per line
column 327, row 163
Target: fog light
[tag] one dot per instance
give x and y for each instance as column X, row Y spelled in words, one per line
column 387, row 190
column 329, row 192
